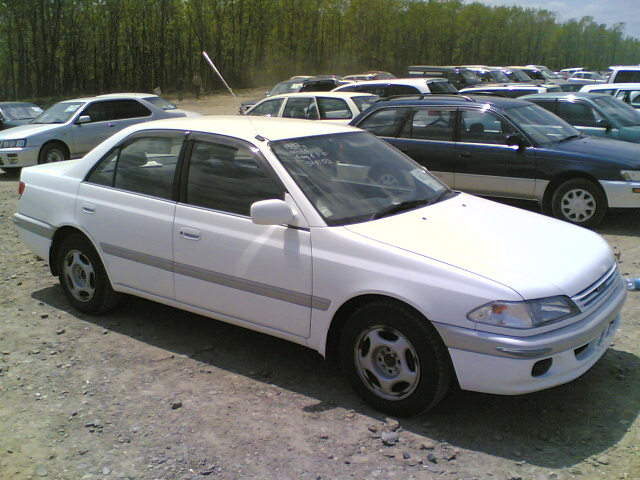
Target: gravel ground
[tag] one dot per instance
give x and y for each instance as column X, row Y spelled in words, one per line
column 149, row 392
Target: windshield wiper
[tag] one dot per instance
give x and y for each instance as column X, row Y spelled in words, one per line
column 570, row 137
column 399, row 207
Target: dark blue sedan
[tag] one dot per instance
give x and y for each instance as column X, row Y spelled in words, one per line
column 501, row 147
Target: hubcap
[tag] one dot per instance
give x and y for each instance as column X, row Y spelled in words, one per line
column 387, row 363
column 79, row 276
column 578, row 205
column 54, row 156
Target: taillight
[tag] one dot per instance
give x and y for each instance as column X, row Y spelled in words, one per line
column 21, row 187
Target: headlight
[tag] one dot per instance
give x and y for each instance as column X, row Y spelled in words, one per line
column 13, row 143
column 630, row 175
column 528, row 314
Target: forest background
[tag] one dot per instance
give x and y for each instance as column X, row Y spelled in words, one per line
column 63, row 48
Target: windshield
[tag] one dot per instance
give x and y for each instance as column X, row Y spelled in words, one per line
column 356, row 177
column 59, row 113
column 623, row 113
column 161, row 103
column 21, row 112
column 541, row 125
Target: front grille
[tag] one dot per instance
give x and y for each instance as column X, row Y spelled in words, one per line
column 599, row 291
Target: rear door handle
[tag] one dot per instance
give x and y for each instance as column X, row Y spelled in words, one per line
column 465, row 155
column 88, row 208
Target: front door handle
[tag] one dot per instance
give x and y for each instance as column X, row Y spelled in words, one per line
column 189, row 233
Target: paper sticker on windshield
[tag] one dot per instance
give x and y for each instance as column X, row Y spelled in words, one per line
column 71, row 108
column 425, row 178
column 304, row 154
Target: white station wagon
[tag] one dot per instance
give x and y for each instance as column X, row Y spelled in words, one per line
column 274, row 225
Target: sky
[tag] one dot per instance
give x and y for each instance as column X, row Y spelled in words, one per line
column 607, row 12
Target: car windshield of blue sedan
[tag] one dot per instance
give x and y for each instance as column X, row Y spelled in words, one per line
column 355, row 177
column 541, row 125
column 59, row 113
column 623, row 113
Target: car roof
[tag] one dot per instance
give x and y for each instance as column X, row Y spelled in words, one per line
column 453, row 100
column 625, row 67
column 400, row 81
column 587, row 95
column 17, row 104
column 246, row 127
column 609, row 86
column 320, row 94
column 126, row 95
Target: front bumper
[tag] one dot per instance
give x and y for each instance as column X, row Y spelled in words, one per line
column 19, row 157
column 500, row 364
column 622, row 194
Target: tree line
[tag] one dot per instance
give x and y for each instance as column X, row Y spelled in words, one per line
column 58, row 48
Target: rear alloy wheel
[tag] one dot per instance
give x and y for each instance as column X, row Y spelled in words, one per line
column 83, row 277
column 394, row 358
column 53, row 152
column 580, row 202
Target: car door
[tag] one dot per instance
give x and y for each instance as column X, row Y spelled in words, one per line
column 105, row 118
column 485, row 164
column 224, row 263
column 427, row 136
column 126, row 207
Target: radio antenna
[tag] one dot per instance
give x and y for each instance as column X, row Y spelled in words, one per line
column 206, row 57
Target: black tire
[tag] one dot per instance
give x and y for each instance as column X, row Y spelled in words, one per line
column 394, row 358
column 579, row 201
column 83, row 278
column 53, row 152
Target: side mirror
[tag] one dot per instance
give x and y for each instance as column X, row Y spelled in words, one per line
column 516, row 140
column 83, row 119
column 606, row 124
column 271, row 212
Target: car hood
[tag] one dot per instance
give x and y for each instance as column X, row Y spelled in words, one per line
column 16, row 123
column 586, row 148
column 24, row 131
column 535, row 255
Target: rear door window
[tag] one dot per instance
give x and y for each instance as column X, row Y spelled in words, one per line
column 386, row 122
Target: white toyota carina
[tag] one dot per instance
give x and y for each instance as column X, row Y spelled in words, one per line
column 274, row 225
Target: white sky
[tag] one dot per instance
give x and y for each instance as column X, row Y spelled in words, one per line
column 607, row 12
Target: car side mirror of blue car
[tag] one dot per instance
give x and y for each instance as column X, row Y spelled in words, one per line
column 516, row 140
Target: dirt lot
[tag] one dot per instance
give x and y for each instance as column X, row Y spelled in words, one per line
column 149, row 392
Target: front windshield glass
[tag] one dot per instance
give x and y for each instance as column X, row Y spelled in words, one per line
column 21, row 112
column 621, row 112
column 356, row 177
column 541, row 125
column 59, row 113
column 161, row 102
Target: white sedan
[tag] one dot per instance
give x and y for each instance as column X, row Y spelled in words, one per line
column 334, row 107
column 275, row 225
